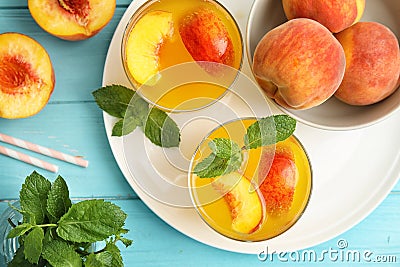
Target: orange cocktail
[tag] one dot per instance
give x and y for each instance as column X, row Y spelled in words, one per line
column 265, row 197
column 162, row 35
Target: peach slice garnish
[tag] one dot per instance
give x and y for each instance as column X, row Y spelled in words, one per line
column 279, row 184
column 206, row 37
column 144, row 43
column 26, row 76
column 72, row 19
column 244, row 202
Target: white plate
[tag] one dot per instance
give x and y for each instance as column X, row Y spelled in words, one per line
column 353, row 171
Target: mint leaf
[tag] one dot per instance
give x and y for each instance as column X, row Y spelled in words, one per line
column 161, row 129
column 19, row 230
column 269, row 130
column 49, row 235
column 33, row 245
column 224, row 148
column 103, row 259
column 90, row 221
column 60, row 254
column 33, row 197
column 214, row 166
column 58, row 201
column 284, row 126
column 116, row 255
column 127, row 242
column 19, row 259
column 138, row 110
column 124, row 103
column 125, row 126
column 117, row 129
column 135, row 116
column 113, row 99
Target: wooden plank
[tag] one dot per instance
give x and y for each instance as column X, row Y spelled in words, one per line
column 157, row 244
column 379, row 232
column 78, row 67
column 397, row 187
column 72, row 128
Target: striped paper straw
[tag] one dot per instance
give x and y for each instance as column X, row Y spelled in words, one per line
column 43, row 150
column 28, row 159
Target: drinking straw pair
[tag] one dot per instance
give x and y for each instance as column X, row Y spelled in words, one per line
column 38, row 149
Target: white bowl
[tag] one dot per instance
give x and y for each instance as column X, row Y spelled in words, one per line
column 333, row 114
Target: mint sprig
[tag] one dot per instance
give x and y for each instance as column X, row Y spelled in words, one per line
column 226, row 155
column 56, row 232
column 134, row 112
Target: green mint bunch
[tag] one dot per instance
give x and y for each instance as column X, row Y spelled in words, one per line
column 226, row 155
column 134, row 112
column 56, row 232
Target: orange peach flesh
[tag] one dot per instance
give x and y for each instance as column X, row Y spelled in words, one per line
column 373, row 63
column 243, row 200
column 72, row 20
column 26, row 76
column 336, row 15
column 299, row 64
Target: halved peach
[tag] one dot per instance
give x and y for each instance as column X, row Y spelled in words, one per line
column 243, row 200
column 72, row 19
column 26, row 76
column 144, row 42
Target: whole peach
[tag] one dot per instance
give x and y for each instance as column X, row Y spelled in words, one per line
column 336, row 15
column 373, row 63
column 299, row 64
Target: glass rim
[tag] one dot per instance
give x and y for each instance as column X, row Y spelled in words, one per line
column 220, row 230
column 137, row 14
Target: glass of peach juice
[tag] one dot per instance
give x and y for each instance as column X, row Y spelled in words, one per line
column 181, row 55
column 264, row 198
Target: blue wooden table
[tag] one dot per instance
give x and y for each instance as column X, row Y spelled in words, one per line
column 72, row 123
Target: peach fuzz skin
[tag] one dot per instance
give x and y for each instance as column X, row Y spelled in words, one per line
column 336, row 15
column 299, row 64
column 72, row 20
column 373, row 63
